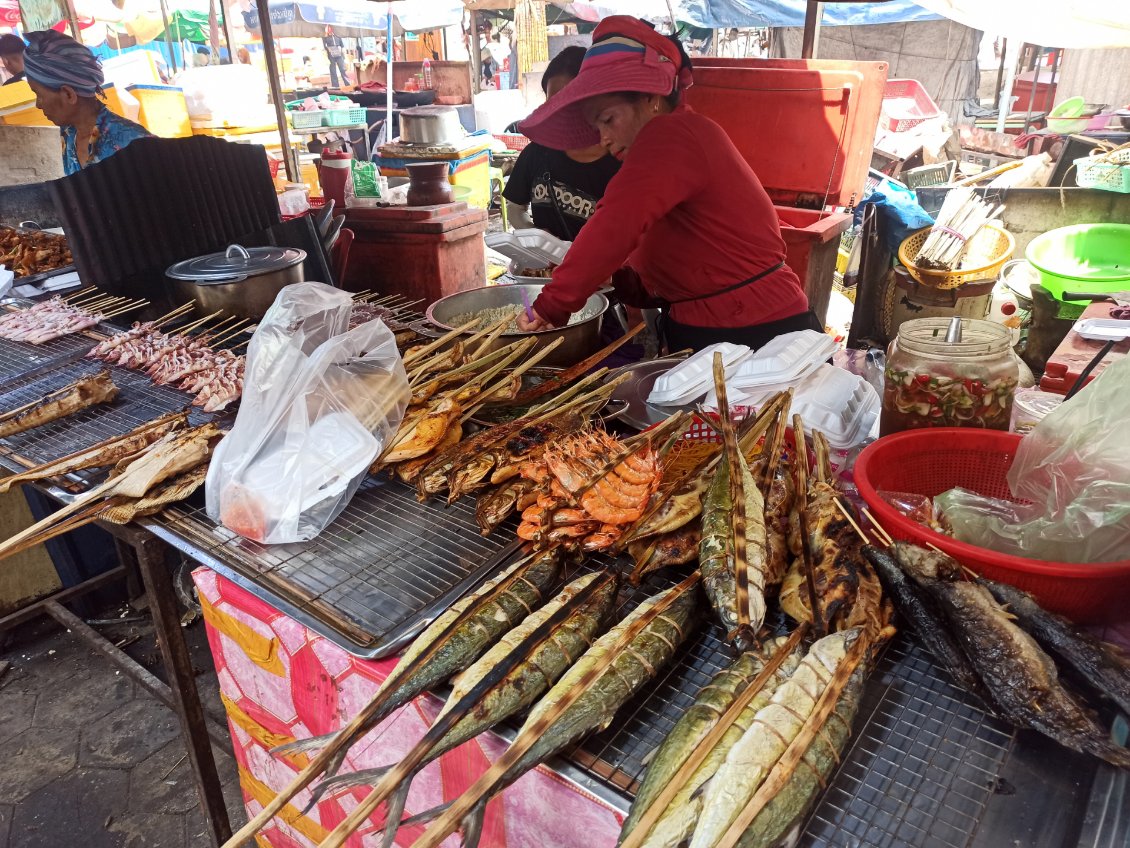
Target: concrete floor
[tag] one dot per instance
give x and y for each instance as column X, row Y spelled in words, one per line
column 88, row 757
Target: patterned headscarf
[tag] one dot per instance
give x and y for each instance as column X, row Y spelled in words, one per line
column 54, row 60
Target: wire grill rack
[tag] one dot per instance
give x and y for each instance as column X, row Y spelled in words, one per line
column 21, row 359
column 138, row 401
column 373, row 578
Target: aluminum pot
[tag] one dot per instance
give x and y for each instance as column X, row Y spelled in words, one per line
column 430, row 125
column 241, row 281
column 582, row 339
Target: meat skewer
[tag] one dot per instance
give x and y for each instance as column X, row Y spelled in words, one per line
column 55, row 317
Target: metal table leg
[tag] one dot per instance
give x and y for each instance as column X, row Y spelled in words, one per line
column 150, row 553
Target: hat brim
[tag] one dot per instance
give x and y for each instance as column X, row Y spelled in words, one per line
column 560, row 122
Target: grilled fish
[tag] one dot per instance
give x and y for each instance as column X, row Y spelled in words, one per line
column 751, row 758
column 433, row 479
column 716, row 555
column 676, row 548
column 409, row 470
column 778, row 822
column 1021, row 679
column 83, row 393
column 651, row 649
column 519, row 688
column 778, row 509
column 493, row 507
column 927, row 623
column 490, row 613
column 1103, row 665
column 835, row 550
column 173, row 453
column 677, row 823
column 106, row 452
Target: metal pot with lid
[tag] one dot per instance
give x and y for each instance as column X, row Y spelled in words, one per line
column 241, row 281
column 430, row 125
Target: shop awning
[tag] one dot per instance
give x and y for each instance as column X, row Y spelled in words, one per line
column 1050, row 23
column 354, row 18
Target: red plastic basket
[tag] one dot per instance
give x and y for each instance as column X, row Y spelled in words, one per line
column 901, row 115
column 929, row 462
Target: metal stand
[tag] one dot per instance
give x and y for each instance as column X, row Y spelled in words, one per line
column 143, row 553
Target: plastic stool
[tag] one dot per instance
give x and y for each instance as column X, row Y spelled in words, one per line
column 496, row 176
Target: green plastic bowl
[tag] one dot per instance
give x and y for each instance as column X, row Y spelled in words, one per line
column 1085, row 258
column 1061, row 118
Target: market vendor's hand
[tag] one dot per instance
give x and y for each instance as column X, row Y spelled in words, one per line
column 532, row 325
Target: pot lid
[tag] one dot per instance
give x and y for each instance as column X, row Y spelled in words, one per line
column 235, row 264
column 428, row 111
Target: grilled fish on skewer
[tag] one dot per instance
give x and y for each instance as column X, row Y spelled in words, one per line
column 83, row 393
column 751, row 758
column 927, row 623
column 835, row 548
column 676, row 548
column 494, row 507
column 584, row 700
column 106, row 452
column 410, row 469
column 677, row 823
column 779, row 820
column 449, row 644
column 1104, row 666
column 517, row 670
column 1020, row 678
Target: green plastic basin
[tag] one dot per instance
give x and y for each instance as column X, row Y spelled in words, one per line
column 1085, row 258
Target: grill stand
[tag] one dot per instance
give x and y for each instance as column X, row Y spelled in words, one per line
column 144, row 554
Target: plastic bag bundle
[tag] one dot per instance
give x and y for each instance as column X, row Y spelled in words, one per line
column 1073, row 470
column 320, row 403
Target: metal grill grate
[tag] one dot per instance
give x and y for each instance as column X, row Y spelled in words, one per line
column 138, row 401
column 20, row 359
column 922, row 766
column 373, row 578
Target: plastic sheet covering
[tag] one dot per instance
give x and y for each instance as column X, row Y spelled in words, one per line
column 1074, row 470
column 319, row 404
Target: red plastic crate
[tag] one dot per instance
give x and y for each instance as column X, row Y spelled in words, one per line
column 906, row 104
column 513, row 141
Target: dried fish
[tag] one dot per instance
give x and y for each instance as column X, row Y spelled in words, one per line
column 751, row 758
column 1020, row 678
column 83, row 393
column 1104, row 665
column 678, row 822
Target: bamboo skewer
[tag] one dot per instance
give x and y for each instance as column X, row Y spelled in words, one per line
column 69, row 298
column 183, row 309
column 129, row 308
column 185, row 330
column 440, row 342
column 880, row 531
column 801, row 466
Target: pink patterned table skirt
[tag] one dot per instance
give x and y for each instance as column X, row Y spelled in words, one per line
column 279, row 681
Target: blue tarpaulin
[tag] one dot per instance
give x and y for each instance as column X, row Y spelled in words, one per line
column 723, row 14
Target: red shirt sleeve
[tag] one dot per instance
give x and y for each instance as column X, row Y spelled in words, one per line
column 661, row 170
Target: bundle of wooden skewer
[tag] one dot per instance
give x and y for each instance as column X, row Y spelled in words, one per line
column 56, row 317
column 962, row 215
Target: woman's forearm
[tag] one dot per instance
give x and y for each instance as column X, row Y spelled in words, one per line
column 518, row 216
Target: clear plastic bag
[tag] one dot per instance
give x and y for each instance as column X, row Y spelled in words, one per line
column 320, row 403
column 1074, row 470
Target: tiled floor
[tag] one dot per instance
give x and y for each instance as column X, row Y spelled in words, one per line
column 88, row 757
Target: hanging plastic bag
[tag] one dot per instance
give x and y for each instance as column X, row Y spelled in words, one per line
column 1074, row 470
column 320, row 403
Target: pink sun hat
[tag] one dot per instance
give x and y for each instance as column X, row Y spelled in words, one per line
column 627, row 55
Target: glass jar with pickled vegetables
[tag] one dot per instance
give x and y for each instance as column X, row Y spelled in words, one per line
column 931, row 382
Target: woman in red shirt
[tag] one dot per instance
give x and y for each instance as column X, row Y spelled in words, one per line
column 686, row 219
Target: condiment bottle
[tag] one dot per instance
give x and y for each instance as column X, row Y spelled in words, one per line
column 931, row 382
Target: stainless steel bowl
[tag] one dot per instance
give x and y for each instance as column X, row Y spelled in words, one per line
column 582, row 339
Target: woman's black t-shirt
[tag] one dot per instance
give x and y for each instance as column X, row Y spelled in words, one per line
column 562, row 194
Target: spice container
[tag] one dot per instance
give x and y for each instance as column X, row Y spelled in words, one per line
column 932, row 382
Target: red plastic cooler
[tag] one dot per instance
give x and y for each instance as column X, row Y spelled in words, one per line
column 806, row 127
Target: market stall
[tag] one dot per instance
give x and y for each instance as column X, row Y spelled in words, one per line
column 305, row 632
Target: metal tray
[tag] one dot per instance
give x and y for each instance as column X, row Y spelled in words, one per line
column 32, row 279
column 634, row 391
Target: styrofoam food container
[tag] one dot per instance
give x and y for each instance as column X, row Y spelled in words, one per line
column 784, row 358
column 691, row 379
column 530, row 248
column 1103, row 329
column 841, row 405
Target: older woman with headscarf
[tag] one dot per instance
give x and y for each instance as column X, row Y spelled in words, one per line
column 67, row 80
column 685, row 219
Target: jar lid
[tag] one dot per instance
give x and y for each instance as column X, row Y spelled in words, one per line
column 978, row 338
column 235, row 264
